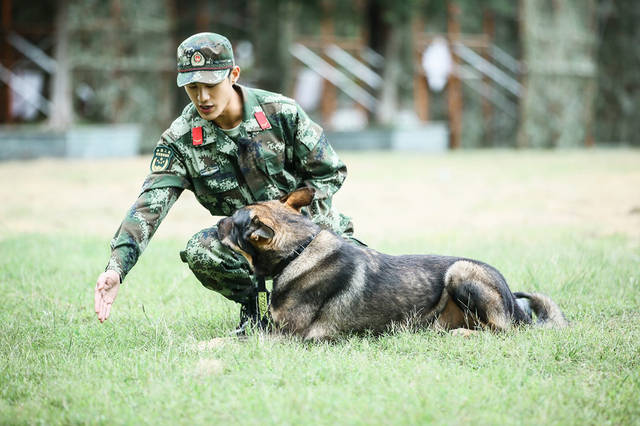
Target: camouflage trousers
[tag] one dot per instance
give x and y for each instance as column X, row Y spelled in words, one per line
column 219, row 268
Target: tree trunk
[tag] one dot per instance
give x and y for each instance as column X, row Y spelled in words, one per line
column 272, row 41
column 61, row 116
column 558, row 44
column 390, row 26
column 388, row 105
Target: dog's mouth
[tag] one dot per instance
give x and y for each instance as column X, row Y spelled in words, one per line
column 230, row 244
column 228, row 236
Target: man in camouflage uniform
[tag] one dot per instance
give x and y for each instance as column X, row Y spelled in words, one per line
column 231, row 146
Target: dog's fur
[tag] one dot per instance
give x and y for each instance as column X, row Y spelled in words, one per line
column 324, row 285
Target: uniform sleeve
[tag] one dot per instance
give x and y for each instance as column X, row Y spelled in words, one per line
column 320, row 167
column 162, row 187
column 167, row 168
column 139, row 225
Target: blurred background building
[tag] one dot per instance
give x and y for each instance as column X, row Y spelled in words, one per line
column 97, row 77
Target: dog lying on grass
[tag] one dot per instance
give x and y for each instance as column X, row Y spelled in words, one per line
column 324, row 286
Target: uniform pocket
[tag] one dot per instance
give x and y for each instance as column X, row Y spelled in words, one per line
column 273, row 167
column 218, row 191
column 215, row 181
column 270, row 163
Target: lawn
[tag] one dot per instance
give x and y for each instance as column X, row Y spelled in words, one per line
column 565, row 223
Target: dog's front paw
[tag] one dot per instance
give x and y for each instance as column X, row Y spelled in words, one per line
column 463, row 332
column 318, row 334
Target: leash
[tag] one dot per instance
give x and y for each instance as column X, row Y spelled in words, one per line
column 262, row 298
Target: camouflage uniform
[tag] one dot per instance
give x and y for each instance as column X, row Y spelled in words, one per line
column 268, row 159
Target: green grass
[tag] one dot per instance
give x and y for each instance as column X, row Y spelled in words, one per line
column 59, row 365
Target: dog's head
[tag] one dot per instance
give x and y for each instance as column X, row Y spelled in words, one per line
column 267, row 233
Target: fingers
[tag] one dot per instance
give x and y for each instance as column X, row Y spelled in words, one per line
column 99, row 297
column 104, row 308
column 104, row 295
column 96, row 300
column 99, row 308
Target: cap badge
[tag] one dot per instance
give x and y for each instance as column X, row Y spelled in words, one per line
column 197, row 59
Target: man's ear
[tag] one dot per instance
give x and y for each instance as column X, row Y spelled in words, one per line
column 299, row 198
column 262, row 232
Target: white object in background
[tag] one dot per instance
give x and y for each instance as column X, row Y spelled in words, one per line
column 349, row 119
column 308, row 89
column 437, row 63
column 29, row 86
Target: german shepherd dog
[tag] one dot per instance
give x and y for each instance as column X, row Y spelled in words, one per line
column 324, row 285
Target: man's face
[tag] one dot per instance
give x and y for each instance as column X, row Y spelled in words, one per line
column 210, row 100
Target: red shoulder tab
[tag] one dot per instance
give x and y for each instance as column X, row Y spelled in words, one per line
column 196, row 136
column 262, row 120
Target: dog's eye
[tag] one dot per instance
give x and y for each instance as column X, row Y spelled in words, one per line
column 255, row 220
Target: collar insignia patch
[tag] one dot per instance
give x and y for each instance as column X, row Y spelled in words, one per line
column 196, row 136
column 262, row 120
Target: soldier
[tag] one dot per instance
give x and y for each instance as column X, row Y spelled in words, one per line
column 232, row 146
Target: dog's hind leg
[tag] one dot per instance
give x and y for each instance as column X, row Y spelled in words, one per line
column 480, row 294
column 452, row 317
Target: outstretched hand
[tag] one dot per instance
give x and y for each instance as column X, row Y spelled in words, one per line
column 105, row 293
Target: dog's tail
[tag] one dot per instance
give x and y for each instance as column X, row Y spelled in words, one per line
column 548, row 313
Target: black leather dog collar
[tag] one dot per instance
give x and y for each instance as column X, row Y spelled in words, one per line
column 293, row 255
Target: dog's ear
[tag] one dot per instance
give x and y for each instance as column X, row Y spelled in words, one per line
column 299, row 198
column 262, row 231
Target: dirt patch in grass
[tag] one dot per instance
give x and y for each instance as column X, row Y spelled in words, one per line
column 215, row 343
column 208, row 367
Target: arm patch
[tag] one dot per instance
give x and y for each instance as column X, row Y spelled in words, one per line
column 161, row 160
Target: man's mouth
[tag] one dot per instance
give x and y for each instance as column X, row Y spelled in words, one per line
column 206, row 108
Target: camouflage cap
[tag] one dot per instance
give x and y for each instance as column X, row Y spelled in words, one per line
column 204, row 58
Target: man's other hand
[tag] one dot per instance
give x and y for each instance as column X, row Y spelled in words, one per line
column 105, row 293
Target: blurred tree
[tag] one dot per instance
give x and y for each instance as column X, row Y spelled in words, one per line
column 122, row 60
column 389, row 29
column 558, row 37
column 272, row 32
column 618, row 98
column 61, row 114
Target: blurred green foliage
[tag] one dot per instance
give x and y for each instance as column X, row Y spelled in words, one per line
column 122, row 53
column 618, row 95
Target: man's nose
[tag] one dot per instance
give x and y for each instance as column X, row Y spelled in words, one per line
column 203, row 94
